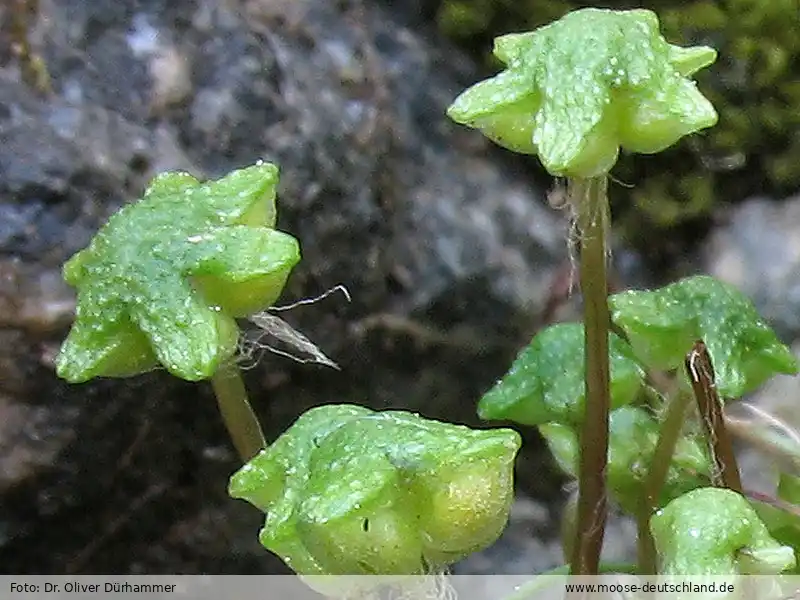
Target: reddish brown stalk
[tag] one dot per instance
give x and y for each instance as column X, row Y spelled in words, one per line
column 670, row 433
column 701, row 375
column 589, row 200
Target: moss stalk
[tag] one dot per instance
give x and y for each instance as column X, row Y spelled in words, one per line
column 590, row 202
column 670, row 433
column 238, row 415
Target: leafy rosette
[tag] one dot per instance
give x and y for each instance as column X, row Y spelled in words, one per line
column 575, row 91
column 662, row 325
column 165, row 278
column 546, row 382
column 350, row 491
column 715, row 531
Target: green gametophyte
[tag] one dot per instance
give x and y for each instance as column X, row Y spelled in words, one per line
column 661, row 324
column 715, row 531
column 165, row 278
column 546, row 382
column 350, row 491
column 633, row 434
column 576, row 90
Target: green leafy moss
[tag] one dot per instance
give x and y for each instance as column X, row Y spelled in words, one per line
column 546, row 382
column 349, row 491
column 662, row 325
column 577, row 90
column 715, row 531
column 633, row 435
column 754, row 87
column 164, row 279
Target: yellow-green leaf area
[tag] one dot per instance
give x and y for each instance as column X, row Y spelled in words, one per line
column 663, row 324
column 633, row 435
column 715, row 531
column 546, row 381
column 164, row 279
column 575, row 91
column 350, row 491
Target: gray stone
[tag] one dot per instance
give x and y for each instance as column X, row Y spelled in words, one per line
column 446, row 249
column 758, row 251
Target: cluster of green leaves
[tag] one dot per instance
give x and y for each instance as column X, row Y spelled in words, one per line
column 715, row 531
column 574, row 91
column 544, row 388
column 163, row 281
column 347, row 490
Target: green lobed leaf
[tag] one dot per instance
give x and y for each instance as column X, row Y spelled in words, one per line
column 783, row 522
column 577, row 90
column 663, row 324
column 633, row 435
column 715, row 531
column 350, row 491
column 546, row 382
column 164, row 279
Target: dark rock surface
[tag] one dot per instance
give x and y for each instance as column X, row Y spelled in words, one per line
column 757, row 249
column 447, row 252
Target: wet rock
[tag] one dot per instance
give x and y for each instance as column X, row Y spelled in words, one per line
column 758, row 251
column 445, row 247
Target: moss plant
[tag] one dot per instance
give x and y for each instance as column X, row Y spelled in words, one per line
column 163, row 281
column 733, row 540
column 573, row 93
column 350, row 491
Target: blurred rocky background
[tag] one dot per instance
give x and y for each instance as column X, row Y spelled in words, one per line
column 448, row 247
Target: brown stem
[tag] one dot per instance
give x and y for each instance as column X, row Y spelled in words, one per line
column 590, row 202
column 238, row 415
column 668, row 437
column 701, row 376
